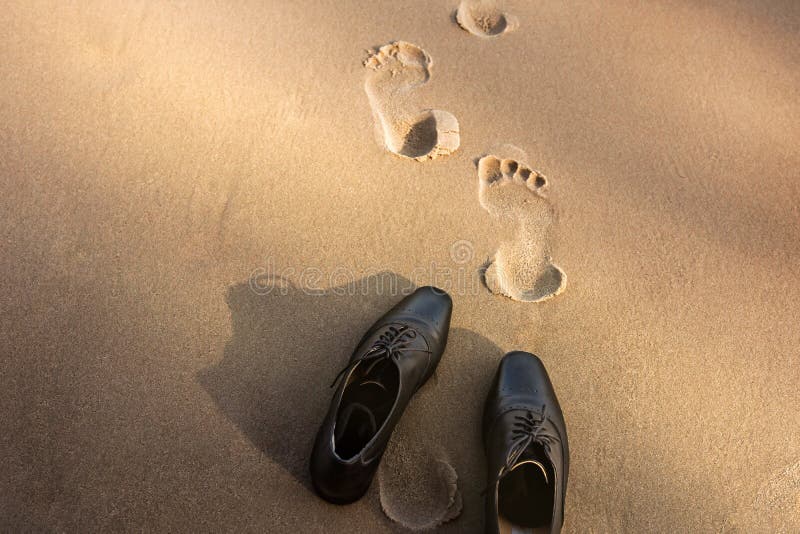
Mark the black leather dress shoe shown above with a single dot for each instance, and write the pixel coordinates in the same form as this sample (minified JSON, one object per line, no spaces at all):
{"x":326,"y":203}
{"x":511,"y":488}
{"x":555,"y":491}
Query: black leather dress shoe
{"x":526,"y":448}
{"x":392,"y":361}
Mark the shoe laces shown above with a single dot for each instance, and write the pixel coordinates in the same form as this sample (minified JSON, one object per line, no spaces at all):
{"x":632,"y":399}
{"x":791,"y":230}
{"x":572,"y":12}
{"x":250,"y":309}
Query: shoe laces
{"x":526,"y":429}
{"x":390,"y":345}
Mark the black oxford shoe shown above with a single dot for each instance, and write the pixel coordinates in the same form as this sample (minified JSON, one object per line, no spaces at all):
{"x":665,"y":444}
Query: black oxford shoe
{"x":526,"y":448}
{"x":393,"y":360}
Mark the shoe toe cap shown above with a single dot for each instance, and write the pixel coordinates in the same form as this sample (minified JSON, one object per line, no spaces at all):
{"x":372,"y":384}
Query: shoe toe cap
{"x":523,"y":374}
{"x":430,"y":304}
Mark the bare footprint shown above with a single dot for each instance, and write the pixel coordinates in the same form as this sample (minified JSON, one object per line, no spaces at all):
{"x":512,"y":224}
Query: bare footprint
{"x":484,"y":18}
{"x":418,"y":485}
{"x":418,"y":490}
{"x":521,"y":268}
{"x":395,"y":70}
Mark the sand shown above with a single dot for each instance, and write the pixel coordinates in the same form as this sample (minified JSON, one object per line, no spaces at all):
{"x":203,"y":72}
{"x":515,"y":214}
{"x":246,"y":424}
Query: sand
{"x":200,"y":217}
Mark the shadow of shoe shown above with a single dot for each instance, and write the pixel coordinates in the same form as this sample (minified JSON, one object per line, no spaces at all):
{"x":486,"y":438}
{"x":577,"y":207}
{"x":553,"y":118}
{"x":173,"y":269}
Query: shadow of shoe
{"x":288,"y":343}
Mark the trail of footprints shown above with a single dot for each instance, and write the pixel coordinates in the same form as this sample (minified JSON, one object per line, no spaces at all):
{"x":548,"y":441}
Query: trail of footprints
{"x":508,"y":188}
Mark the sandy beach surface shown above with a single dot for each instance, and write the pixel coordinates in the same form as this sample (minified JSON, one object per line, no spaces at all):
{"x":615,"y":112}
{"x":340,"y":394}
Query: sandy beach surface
{"x":205,"y":204}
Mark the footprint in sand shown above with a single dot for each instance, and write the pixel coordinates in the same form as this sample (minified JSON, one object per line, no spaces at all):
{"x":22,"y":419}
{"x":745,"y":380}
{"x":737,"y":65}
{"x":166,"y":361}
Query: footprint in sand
{"x":521,"y":268}
{"x":395,"y":70}
{"x":484,"y":18}
{"x":417,"y":490}
{"x":417,"y":483}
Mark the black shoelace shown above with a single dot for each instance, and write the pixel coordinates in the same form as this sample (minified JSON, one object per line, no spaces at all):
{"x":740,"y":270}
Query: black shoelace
{"x":527,"y":429}
{"x":391,"y":344}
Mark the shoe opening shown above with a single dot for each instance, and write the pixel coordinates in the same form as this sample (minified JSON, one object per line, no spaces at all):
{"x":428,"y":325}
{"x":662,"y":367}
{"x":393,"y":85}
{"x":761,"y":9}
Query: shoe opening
{"x":366,"y":402}
{"x":525,"y":496}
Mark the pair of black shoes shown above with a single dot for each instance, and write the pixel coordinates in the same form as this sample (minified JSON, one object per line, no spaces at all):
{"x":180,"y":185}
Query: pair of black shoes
{"x":523,"y":429}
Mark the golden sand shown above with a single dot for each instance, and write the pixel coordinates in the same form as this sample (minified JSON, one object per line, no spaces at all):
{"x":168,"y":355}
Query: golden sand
{"x":194,"y":195}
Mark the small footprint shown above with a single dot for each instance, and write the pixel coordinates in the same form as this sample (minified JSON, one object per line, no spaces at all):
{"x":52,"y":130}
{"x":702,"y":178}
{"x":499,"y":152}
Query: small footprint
{"x":395,"y":70}
{"x":521,"y":268}
{"x":484,"y":18}
{"x":418,"y":491}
